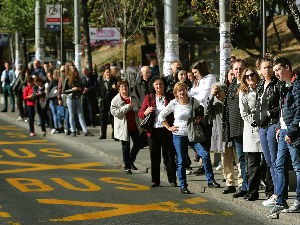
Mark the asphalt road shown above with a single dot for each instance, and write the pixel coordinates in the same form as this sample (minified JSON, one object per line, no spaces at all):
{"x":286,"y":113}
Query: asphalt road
{"x":43,"y":182}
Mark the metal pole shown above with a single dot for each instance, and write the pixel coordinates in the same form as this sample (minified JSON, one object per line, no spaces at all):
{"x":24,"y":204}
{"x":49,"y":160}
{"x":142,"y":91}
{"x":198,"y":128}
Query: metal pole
{"x":61,"y":35}
{"x":39,"y":31}
{"x":225,"y":41}
{"x":77,"y":36}
{"x":264,"y":28}
{"x":171,"y":34}
{"x":17,"y":43}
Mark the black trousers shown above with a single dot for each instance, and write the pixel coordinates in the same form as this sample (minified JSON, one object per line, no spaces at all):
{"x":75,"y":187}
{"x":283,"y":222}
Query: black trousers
{"x":160,"y":142}
{"x":253,"y":160}
{"x":31,"y":113}
{"x":89,"y":109}
{"x":106,"y":118}
{"x":266,"y":175}
{"x":20,"y":104}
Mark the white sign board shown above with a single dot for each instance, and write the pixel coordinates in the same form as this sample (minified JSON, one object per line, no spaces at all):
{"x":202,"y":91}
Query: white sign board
{"x":105,"y":36}
{"x":53,"y":14}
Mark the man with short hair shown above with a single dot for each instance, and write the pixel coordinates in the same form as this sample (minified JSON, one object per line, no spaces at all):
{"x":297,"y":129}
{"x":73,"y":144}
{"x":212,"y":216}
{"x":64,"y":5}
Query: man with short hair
{"x":142,"y":86}
{"x":7,"y":78}
{"x":154,"y":66}
{"x":171,"y":78}
{"x":287,"y":135}
{"x":38,"y":70}
{"x":89,"y":99}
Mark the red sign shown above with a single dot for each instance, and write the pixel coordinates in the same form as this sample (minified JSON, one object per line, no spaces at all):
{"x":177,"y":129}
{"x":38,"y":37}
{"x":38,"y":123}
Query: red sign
{"x":53,"y":20}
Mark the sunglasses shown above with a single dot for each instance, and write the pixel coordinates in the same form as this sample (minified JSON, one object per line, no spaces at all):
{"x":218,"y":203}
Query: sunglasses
{"x":250,"y":75}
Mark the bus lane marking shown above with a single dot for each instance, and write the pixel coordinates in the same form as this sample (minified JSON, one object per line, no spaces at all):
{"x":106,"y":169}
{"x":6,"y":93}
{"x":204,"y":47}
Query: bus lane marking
{"x":40,"y":167}
{"x":31,"y":142}
{"x":16,"y":135}
{"x":125,"y":209}
{"x":9,"y":128}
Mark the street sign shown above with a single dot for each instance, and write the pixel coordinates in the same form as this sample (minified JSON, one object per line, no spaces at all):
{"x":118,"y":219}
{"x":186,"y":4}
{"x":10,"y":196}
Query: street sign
{"x":53,"y":14}
{"x":105,"y":36}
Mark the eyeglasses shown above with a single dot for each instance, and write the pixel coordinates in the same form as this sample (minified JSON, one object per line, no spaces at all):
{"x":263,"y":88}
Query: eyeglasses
{"x":250,"y":75}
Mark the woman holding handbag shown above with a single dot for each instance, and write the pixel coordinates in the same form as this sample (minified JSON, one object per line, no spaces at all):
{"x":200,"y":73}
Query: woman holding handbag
{"x":183,"y":108}
{"x":159,"y":138}
{"x":125,"y":120}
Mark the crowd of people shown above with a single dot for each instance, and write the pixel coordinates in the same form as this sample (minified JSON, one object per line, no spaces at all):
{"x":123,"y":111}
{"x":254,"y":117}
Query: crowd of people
{"x":253,"y":119}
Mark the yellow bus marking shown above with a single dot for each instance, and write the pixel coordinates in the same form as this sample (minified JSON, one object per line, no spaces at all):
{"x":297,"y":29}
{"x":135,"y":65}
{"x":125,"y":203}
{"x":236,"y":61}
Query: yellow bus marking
{"x":124,"y":209}
{"x":28,"y":154}
{"x":13,"y":223}
{"x":4,"y":214}
{"x":90,"y":186}
{"x":55,"y":152}
{"x":194,"y":201}
{"x":40,"y":167}
{"x":136,"y":187}
{"x":32,"y":142}
{"x":16,"y":135}
{"x":34,"y":184}
{"x":9,"y":128}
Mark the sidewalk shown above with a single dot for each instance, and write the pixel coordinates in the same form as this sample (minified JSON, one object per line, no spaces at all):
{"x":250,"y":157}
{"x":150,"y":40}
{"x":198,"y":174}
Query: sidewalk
{"x":112,"y":150}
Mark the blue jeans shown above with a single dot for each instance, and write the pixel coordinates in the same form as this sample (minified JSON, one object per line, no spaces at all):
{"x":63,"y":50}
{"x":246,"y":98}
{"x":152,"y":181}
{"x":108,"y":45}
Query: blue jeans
{"x":67,"y":118}
{"x":52,"y":105}
{"x":238,"y":142}
{"x":74,"y":107}
{"x":8,"y":91}
{"x":130,"y":156}
{"x":269,"y":146}
{"x":181,"y":144}
{"x":284,"y":150}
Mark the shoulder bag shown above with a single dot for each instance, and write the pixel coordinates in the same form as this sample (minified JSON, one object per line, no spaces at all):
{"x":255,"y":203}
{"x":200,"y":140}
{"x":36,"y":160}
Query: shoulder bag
{"x":195,"y":131}
{"x":146,"y":123}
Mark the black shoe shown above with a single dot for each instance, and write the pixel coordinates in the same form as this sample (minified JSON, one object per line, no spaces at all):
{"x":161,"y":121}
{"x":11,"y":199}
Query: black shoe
{"x":88,"y":134}
{"x":4,"y":110}
{"x":155,"y":185}
{"x":128,"y":171}
{"x":214,"y":184}
{"x":133,"y":167}
{"x":239,"y":193}
{"x":229,"y":189}
{"x":78,"y":132}
{"x":68,"y":132}
{"x":199,"y":171}
{"x":102,"y":137}
{"x":174,"y":184}
{"x":13,"y":110}
{"x":251,"y":197}
{"x":74,"y":134}
{"x":224,"y":180}
{"x":184,"y":190}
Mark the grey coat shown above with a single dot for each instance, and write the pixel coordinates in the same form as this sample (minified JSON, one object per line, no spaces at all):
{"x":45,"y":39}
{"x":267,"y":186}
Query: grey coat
{"x":251,"y":140}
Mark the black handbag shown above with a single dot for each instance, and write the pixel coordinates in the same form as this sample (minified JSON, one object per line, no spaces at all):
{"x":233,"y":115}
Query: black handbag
{"x":146,"y":123}
{"x":53,"y":93}
{"x":195,"y":131}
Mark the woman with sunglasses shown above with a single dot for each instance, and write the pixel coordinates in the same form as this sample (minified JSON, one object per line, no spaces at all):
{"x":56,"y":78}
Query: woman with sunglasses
{"x":251,"y":141}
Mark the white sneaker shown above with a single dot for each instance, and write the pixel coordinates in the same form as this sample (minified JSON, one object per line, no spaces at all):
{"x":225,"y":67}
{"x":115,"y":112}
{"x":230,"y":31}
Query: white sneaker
{"x":219,"y":167}
{"x":294,"y":208}
{"x":19,"y":118}
{"x":53,"y":131}
{"x":189,"y":171}
{"x":271,"y":202}
{"x":26,"y":120}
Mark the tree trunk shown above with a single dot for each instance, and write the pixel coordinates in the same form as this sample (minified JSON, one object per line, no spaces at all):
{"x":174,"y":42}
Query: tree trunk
{"x":124,"y":53}
{"x":86,"y":33}
{"x":277,"y":35}
{"x":23,"y":50}
{"x":57,"y":36}
{"x":11,"y":48}
{"x":159,"y":34}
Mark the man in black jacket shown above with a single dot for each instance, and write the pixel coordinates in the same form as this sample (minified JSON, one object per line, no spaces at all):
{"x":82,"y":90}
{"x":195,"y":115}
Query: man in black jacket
{"x":287,"y":135}
{"x":89,"y":99}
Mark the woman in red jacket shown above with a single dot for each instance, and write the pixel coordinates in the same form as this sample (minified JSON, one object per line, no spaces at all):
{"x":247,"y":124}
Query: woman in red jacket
{"x":29,"y":97}
{"x":159,"y":138}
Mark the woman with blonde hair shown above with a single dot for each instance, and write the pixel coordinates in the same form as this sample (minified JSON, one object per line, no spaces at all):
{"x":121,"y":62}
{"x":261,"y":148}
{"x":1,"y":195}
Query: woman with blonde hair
{"x":182,"y":107}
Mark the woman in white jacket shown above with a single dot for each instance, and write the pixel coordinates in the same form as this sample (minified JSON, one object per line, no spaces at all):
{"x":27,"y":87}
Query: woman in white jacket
{"x":125,"y":122}
{"x":205,"y":80}
{"x":251,"y":140}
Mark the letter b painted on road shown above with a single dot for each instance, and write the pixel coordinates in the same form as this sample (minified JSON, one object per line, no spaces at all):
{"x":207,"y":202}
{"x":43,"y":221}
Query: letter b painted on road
{"x":29,"y":185}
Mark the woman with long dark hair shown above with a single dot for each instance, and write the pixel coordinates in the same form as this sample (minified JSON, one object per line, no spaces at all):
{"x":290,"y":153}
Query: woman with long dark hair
{"x":73,"y":90}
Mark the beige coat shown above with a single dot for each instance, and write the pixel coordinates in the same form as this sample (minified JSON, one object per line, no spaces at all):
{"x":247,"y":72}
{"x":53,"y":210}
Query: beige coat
{"x":119,"y":109}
